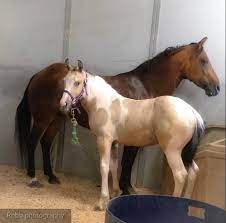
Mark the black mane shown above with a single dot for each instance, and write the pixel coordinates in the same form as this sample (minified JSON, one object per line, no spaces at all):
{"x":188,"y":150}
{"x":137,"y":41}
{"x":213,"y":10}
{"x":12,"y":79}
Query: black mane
{"x":146,"y":66}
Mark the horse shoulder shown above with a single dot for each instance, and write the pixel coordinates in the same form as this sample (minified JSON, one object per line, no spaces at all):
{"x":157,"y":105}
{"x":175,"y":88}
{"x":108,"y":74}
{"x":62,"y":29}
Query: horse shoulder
{"x":100,"y":118}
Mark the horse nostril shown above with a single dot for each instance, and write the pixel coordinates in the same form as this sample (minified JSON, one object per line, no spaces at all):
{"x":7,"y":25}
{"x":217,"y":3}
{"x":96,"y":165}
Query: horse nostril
{"x":63,"y":104}
{"x":218,"y":87}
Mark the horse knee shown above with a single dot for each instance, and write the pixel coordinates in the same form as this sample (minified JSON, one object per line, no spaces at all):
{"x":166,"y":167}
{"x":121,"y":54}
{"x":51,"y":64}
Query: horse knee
{"x":104,"y":167}
{"x":114,"y":151}
{"x":115,"y":145}
{"x":181,"y":176}
{"x":43,"y":141}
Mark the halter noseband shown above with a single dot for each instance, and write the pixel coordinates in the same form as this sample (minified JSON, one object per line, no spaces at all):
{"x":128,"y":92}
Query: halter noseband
{"x":75,"y":100}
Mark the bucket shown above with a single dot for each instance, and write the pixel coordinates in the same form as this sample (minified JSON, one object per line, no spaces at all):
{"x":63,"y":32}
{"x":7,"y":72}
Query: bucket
{"x":161,"y":209}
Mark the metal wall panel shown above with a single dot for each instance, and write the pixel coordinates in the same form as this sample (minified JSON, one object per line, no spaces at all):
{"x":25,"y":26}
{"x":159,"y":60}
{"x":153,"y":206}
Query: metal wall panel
{"x":31,"y":38}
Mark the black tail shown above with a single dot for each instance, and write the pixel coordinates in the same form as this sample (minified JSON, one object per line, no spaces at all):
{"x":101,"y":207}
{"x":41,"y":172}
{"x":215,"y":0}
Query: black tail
{"x":23,"y":124}
{"x":190,"y":149}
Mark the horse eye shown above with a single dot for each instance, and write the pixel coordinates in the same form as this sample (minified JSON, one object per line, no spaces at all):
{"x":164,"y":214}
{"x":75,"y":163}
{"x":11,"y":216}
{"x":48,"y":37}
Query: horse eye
{"x":76,"y":83}
{"x":204,"y":62}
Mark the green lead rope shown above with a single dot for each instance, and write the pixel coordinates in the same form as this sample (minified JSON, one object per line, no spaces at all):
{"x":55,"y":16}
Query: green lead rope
{"x":74,"y":136}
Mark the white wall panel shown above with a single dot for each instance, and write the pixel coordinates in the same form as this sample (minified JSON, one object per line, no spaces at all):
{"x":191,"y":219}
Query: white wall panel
{"x":31,"y":38}
{"x":110,"y":36}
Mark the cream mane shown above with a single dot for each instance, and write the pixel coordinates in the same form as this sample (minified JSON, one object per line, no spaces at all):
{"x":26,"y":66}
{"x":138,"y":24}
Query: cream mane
{"x":98,"y":87}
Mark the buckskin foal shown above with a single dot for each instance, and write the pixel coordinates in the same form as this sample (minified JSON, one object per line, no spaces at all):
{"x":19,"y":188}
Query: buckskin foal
{"x":165,"y":120}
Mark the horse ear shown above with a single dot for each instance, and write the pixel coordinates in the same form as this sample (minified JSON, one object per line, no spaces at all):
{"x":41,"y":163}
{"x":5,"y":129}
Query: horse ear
{"x":67,"y":64}
{"x":201,"y":43}
{"x":66,"y":61}
{"x":80,"y":65}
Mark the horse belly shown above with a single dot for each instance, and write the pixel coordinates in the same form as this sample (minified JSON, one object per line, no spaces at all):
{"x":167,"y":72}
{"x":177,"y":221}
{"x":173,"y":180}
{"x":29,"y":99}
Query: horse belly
{"x":137,"y":137}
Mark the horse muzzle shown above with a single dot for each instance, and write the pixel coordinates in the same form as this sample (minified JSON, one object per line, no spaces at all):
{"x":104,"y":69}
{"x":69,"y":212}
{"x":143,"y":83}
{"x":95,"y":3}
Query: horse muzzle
{"x":211,"y":90}
{"x":64,"y":109}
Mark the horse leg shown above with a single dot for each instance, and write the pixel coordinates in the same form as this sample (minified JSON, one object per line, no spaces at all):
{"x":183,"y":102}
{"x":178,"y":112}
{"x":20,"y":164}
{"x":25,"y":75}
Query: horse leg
{"x":36,"y":132}
{"x":192,"y":176}
{"x":128,"y":158}
{"x":179,"y":171}
{"x":114,"y":170}
{"x":46,"y":143}
{"x":104,"y":146}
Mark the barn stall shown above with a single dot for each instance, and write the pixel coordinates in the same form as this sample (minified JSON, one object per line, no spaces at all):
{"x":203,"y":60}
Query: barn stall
{"x":109,"y":37}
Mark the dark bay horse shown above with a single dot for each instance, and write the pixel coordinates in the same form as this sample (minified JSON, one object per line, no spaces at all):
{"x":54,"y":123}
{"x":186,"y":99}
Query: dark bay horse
{"x":38,"y":116}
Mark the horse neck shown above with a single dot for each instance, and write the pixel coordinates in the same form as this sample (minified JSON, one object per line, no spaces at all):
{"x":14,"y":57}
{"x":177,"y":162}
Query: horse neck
{"x":99,"y":93}
{"x":162,"y":78}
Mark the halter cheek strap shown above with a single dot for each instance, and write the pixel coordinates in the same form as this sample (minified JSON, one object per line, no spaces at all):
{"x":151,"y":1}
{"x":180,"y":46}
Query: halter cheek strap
{"x":69,"y":93}
{"x":76,"y":99}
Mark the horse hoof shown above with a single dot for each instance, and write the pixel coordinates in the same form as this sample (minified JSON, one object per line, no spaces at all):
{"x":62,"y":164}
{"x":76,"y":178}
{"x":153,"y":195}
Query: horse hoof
{"x":131,"y":190}
{"x":102,"y":204}
{"x":128,"y":191}
{"x":125,"y":192}
{"x":116,"y":193}
{"x":54,"y":180}
{"x":34,"y":183}
{"x":99,"y":207}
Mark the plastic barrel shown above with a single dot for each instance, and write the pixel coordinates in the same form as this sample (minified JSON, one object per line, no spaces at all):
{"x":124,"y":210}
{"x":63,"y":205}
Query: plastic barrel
{"x":161,"y":209}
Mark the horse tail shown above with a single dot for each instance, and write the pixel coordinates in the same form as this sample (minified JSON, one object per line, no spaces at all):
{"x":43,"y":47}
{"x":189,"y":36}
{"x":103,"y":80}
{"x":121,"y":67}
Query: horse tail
{"x":190,"y":149}
{"x":23,"y":124}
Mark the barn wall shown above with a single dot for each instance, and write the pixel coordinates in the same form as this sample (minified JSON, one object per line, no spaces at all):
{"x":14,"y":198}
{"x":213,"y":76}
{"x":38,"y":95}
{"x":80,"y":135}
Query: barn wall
{"x":31,"y":38}
{"x":110,"y":37}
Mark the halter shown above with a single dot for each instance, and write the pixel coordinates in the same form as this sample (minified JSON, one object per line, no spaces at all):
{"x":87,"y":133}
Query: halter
{"x":75,"y":100}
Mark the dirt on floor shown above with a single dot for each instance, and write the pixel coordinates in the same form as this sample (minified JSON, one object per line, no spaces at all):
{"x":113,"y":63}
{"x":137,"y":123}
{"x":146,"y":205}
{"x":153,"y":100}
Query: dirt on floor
{"x":77,"y":194}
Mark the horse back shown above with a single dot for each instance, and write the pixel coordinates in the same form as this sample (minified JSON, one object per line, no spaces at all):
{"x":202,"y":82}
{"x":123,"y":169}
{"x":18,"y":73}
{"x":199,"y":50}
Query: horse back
{"x":128,"y":85}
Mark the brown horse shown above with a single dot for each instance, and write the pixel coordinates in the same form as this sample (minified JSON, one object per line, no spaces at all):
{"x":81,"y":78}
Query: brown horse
{"x":158,"y":76}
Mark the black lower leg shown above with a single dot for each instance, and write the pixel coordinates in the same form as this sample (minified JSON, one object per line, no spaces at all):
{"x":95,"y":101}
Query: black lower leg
{"x":31,"y":163}
{"x":46,"y":146}
{"x":46,"y":158}
{"x":32,"y":143}
{"x":129,"y":155}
